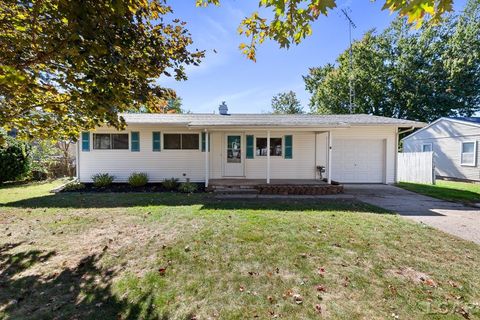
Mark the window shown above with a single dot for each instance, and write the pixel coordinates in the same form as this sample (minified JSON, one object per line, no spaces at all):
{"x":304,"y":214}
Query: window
{"x":427,"y":147}
{"x":275,"y":147}
{"x":469,"y":151}
{"x":118,"y":141}
{"x":234,"y":149}
{"x":181,"y":141}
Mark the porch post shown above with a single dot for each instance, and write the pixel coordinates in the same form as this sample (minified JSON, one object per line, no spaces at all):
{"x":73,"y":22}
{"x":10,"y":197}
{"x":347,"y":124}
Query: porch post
{"x":268,"y":156}
{"x":207,"y":158}
{"x":329,"y":162}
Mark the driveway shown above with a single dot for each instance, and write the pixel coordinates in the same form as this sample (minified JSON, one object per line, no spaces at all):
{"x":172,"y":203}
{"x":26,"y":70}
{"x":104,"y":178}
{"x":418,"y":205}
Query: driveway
{"x":454,"y":218}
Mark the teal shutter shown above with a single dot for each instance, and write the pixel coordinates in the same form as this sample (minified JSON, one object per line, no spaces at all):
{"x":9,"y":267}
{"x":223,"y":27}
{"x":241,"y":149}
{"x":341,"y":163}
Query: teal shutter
{"x":135,"y":141}
{"x":204,"y":135}
{"x":156,"y":141}
{"x":85,"y":141}
{"x":249,"y":152}
{"x":288,"y":147}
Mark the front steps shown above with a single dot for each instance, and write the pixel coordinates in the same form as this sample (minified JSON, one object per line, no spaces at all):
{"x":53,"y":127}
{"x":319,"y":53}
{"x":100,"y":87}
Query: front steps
{"x":234,"y":189}
{"x":249,"y":190}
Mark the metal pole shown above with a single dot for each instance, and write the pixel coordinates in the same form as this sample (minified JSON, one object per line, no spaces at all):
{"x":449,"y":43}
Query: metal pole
{"x":268,"y":156}
{"x":350,"y":77}
{"x":329,"y":163}
{"x":207,"y":164}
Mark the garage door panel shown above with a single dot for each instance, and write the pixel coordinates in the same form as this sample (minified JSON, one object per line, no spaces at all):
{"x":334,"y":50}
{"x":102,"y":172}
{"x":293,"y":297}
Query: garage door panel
{"x":358,"y":160}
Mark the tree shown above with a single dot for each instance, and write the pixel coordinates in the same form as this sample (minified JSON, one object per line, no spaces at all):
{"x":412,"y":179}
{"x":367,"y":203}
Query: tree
{"x":14,"y":158}
{"x":72,"y":64}
{"x":286,"y":103}
{"x":420,"y":75}
{"x":292,"y":19}
{"x":51,"y":159}
{"x":173,"y":105}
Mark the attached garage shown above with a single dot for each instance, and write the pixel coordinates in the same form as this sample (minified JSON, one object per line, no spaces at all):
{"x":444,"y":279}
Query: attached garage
{"x":358,"y":160}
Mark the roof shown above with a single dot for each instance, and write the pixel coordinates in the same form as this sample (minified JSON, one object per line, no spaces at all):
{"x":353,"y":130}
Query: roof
{"x":267,"y":120}
{"x":466,"y":120}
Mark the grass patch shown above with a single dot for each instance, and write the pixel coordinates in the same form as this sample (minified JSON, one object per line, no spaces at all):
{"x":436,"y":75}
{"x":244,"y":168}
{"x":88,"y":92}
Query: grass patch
{"x":172,"y":256}
{"x":468,"y":193}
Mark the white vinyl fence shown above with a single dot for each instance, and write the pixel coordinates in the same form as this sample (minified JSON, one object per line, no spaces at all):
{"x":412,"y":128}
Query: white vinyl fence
{"x":416,"y":167}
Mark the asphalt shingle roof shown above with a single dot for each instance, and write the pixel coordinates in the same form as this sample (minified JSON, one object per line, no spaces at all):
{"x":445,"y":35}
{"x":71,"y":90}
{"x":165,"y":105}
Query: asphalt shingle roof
{"x":265,"y":120}
{"x":468,"y":119}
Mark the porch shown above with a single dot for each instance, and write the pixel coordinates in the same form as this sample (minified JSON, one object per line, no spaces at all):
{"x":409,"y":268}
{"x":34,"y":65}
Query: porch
{"x":274,"y":186}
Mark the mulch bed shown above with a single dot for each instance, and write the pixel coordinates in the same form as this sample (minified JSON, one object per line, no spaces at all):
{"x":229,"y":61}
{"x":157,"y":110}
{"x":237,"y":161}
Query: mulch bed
{"x":125,"y":187}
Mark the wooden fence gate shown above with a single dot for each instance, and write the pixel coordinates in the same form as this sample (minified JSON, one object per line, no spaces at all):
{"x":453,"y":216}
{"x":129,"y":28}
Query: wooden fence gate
{"x":416,"y":167}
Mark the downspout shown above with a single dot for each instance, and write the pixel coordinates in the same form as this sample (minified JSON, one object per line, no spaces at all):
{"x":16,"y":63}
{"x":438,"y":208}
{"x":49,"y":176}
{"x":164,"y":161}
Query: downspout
{"x":396,"y":148}
{"x":77,"y":160}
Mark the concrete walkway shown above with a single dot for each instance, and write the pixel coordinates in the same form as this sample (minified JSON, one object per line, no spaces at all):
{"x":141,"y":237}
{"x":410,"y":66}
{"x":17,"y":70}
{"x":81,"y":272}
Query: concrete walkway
{"x":454,"y":218}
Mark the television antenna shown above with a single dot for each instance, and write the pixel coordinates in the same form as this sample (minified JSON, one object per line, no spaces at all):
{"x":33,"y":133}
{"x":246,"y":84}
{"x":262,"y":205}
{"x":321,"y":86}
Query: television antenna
{"x":351,"y":25}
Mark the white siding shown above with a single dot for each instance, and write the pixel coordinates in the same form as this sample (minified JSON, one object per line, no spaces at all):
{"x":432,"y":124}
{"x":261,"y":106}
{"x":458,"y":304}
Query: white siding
{"x":161,"y":165}
{"x":301,"y":166}
{"x":446,"y":138}
{"x":309,"y":150}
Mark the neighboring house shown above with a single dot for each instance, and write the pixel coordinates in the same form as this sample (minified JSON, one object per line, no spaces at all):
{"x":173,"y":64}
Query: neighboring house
{"x":454,"y":142}
{"x":200,"y":147}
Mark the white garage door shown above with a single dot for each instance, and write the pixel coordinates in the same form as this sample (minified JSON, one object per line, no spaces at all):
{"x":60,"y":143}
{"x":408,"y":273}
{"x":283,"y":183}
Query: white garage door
{"x":358,"y":161}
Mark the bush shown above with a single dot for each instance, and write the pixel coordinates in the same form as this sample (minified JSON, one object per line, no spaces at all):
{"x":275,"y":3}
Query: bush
{"x":138,"y":179}
{"x":187,"y":187}
{"x":170,"y":184}
{"x":38,"y":175}
{"x":74,"y":186}
{"x":15,"y":158}
{"x":102,"y":180}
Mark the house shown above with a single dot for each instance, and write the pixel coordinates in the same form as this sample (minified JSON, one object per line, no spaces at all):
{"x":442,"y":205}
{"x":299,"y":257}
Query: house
{"x":201,"y":147}
{"x":454,"y":144}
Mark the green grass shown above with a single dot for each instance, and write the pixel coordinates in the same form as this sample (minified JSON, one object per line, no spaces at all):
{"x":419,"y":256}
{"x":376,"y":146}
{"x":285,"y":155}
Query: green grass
{"x":468,"y":193}
{"x":171,"y":256}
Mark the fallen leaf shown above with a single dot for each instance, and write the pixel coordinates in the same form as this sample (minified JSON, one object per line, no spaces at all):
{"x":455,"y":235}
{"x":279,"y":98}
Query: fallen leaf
{"x":162,"y":271}
{"x":318,"y":308}
{"x":297,"y":298}
{"x":430,"y":282}
{"x":320,"y":288}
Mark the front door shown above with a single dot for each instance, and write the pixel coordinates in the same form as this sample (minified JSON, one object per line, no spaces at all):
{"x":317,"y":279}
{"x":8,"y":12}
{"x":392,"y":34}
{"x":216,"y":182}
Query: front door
{"x":234,"y":158}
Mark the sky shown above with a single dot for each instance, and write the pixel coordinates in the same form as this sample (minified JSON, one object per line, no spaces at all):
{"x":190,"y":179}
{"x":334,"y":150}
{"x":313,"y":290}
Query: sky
{"x":246,"y":86}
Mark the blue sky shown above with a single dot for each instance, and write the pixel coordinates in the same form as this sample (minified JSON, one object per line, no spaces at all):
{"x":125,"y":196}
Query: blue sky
{"x":246,"y":86}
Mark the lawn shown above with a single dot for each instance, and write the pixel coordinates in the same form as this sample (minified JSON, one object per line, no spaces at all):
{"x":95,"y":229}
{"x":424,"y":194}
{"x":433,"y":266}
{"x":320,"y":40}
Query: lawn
{"x":468,"y":193}
{"x":169,"y":256}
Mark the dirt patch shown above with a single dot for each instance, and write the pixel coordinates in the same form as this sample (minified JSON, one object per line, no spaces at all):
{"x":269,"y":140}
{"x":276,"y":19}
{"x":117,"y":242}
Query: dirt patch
{"x":120,"y":239}
{"x":412,"y":275}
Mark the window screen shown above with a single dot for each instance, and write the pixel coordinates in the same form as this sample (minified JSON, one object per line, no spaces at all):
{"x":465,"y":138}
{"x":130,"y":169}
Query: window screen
{"x":117,"y":141}
{"x":180,"y":141}
{"x":275,"y":146}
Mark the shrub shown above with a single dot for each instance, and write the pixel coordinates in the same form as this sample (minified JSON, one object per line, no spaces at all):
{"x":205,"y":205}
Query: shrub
{"x":102,"y":180}
{"x":138,"y":179}
{"x":38,"y":175}
{"x":74,"y":186}
{"x":170,"y":184}
{"x":187,"y":187}
{"x":15,"y":158}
